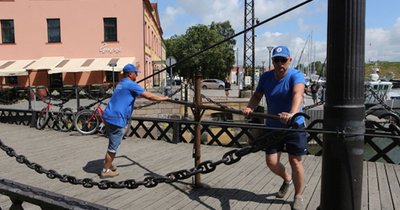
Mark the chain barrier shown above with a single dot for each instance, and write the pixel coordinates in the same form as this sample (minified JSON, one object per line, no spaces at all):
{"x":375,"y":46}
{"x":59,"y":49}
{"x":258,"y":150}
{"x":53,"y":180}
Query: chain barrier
{"x":157,"y":102}
{"x":212,"y":101}
{"x":204,"y":167}
{"x":313,"y":105}
{"x":381,"y":102}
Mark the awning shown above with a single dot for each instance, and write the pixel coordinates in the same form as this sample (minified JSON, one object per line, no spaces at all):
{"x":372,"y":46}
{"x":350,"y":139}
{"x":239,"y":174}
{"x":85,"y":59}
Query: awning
{"x":45,"y":63}
{"x":15,"y":68}
{"x":105,"y":64}
{"x":91,"y":64}
{"x":68,"y":65}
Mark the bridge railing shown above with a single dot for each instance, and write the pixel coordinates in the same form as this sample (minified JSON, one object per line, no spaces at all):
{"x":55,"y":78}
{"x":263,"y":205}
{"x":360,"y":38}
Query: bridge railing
{"x":380,"y":145}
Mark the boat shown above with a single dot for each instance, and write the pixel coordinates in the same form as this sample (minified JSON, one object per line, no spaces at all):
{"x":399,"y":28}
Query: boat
{"x":379,"y":97}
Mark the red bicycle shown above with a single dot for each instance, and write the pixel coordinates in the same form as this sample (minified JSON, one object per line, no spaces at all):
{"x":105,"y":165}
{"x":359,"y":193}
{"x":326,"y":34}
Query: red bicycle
{"x":88,"y":121}
{"x":62,"y":120}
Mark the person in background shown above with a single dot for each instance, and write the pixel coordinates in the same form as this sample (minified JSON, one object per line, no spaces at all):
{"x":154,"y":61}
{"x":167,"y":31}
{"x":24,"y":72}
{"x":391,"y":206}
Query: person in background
{"x":227,"y":87}
{"x":283,"y":88}
{"x":314,"y":91}
{"x":118,"y":112}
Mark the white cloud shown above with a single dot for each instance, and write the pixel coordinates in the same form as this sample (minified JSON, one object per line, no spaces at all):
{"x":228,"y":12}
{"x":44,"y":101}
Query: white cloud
{"x":383,"y":44}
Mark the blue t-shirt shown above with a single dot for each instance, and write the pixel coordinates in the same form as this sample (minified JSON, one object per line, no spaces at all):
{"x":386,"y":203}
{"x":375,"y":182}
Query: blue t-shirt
{"x":120,"y":107}
{"x":279,"y":93}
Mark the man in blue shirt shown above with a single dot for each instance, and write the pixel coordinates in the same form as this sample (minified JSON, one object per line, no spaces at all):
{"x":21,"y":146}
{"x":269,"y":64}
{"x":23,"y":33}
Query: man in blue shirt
{"x":283,"y":88}
{"x":118,"y":112}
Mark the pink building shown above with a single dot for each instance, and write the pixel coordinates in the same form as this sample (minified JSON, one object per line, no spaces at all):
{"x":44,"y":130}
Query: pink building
{"x":79,"y":42}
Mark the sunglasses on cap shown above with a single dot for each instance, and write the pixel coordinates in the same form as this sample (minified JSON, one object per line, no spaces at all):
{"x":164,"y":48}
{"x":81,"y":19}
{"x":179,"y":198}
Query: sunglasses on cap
{"x":280,"y":59}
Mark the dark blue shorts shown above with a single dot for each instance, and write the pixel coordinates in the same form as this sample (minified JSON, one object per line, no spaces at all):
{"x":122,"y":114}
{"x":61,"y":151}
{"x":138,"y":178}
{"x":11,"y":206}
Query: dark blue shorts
{"x":295,"y":143}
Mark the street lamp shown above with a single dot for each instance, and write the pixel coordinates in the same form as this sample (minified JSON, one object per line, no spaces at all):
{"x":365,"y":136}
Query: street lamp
{"x":269,"y":50}
{"x":113,"y":76}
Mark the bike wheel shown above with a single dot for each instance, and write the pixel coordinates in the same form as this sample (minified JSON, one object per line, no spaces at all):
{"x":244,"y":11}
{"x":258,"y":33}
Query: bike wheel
{"x":86,"y":122}
{"x":65,"y":119}
{"x":43,"y":118}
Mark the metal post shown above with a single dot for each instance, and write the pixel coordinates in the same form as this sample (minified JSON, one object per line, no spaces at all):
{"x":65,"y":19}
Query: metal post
{"x":197,"y":117}
{"x":342,"y":166}
{"x":269,"y":51}
{"x":237,"y":66}
{"x":78,"y":104}
{"x":185,"y":115}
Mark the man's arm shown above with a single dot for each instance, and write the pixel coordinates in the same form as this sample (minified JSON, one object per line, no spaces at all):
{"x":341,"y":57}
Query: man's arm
{"x":253,"y":103}
{"x":298,"y":92}
{"x":153,"y":97}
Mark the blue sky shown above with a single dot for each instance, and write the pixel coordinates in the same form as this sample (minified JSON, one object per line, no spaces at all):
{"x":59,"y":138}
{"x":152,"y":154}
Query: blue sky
{"x":293,"y":29}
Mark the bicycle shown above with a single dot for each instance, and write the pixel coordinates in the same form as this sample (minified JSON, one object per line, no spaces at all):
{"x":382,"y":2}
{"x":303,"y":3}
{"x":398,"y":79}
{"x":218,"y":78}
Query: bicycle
{"x":87,"y":121}
{"x":63,"y":120}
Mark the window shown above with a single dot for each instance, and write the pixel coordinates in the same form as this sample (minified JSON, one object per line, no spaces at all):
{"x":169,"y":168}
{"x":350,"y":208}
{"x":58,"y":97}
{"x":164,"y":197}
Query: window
{"x":12,"y":80}
{"x":7,"y":31}
{"x":56,"y":80}
{"x":53,"y":30}
{"x":110,"y":29}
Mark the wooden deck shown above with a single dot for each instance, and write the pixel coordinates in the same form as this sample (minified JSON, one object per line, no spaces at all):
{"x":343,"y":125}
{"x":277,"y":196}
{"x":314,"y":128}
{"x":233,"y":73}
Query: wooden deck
{"x":244,"y":185}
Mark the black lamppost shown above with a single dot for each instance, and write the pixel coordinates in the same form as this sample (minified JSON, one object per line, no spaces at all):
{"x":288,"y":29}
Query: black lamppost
{"x":113,"y":76}
{"x":269,"y":51}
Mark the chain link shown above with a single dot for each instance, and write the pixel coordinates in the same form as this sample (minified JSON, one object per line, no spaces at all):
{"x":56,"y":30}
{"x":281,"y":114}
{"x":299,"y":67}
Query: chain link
{"x":212,"y":101}
{"x":156,"y":102}
{"x":381,"y":102}
{"x":313,"y":105}
{"x":205,"y":167}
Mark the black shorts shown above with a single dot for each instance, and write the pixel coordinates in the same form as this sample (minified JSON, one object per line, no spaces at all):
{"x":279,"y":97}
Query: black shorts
{"x":294,"y":143}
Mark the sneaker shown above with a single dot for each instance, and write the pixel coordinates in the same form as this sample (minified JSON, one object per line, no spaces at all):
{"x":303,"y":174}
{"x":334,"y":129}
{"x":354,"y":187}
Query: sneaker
{"x":108,"y":174}
{"x":298,"y":203}
{"x":113,"y":167}
{"x":284,"y":189}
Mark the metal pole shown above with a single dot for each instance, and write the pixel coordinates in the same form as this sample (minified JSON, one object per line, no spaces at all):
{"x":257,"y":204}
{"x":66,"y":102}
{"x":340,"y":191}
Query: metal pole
{"x":197,"y":117}
{"x":185,"y":115}
{"x":342,"y":162}
{"x":237,"y":66}
{"x":269,"y":51}
{"x":113,"y":85}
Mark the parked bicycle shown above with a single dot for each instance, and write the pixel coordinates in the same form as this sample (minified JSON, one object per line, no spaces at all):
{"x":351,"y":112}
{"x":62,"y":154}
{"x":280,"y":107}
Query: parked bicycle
{"x":88,"y":121}
{"x":62,"y":120}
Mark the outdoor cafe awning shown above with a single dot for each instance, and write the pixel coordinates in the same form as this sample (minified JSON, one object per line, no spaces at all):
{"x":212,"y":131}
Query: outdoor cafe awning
{"x":56,"y":65}
{"x":91,"y":64}
{"x":15,"y":67}
{"x":45,"y":63}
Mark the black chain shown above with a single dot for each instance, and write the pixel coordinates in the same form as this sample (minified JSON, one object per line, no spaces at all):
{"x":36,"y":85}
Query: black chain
{"x":212,"y":101}
{"x":156,"y":102}
{"x":381,"y":102}
{"x":313,"y":105}
{"x":208,"y":166}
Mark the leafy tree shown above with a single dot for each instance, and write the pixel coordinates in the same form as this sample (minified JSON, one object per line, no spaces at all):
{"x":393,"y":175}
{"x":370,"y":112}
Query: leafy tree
{"x":213,"y":63}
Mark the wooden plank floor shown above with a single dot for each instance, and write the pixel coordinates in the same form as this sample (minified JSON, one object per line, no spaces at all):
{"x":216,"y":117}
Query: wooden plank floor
{"x":247,"y":184}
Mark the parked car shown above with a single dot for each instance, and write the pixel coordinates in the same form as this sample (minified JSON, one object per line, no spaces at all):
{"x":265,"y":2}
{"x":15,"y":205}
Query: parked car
{"x":212,"y":84}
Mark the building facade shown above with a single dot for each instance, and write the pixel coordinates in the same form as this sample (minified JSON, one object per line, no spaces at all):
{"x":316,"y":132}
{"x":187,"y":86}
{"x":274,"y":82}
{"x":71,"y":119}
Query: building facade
{"x":78,"y":42}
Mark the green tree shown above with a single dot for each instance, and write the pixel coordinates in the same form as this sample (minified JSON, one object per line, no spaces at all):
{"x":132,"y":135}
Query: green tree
{"x":213,"y":63}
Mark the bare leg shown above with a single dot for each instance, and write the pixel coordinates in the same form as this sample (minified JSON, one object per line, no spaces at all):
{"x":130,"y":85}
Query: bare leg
{"x":297,"y":173}
{"x":109,"y":158}
{"x":273,"y":163}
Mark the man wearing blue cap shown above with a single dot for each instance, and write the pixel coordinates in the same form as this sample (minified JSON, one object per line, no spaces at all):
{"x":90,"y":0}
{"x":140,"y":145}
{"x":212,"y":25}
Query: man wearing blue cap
{"x":283,"y":88}
{"x":118,"y":112}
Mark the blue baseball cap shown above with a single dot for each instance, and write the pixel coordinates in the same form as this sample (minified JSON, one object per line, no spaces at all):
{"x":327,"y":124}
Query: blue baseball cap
{"x":281,"y":51}
{"x":128,"y":68}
